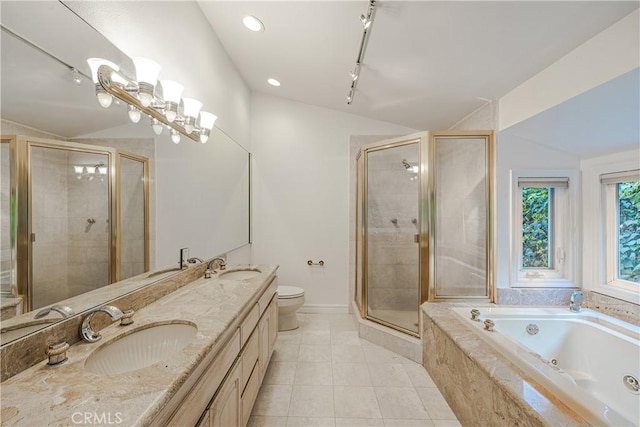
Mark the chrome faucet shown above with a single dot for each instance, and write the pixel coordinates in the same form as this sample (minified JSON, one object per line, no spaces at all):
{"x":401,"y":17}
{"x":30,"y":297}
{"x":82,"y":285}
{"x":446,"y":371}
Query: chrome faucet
{"x":194,"y":259}
{"x":576,"y":299}
{"x":62,"y":309}
{"x":211,"y":270}
{"x":87,"y":333}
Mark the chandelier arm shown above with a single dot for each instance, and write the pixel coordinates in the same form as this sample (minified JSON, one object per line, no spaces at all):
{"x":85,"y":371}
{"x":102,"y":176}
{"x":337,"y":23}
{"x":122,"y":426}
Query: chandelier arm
{"x":104,"y":78}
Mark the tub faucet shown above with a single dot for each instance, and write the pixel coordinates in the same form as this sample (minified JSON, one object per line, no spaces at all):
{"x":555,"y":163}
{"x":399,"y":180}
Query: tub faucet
{"x":87,"y":333}
{"x":62,"y":309}
{"x":576,"y":299}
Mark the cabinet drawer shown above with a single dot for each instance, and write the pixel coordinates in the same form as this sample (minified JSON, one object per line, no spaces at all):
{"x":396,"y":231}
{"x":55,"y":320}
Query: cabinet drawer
{"x":249,"y":357}
{"x":248,"y":324}
{"x":250,"y":394}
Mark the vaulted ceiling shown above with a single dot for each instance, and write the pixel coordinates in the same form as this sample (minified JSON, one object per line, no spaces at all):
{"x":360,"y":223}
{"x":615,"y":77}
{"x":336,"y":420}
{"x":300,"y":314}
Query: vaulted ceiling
{"x":427,"y":64}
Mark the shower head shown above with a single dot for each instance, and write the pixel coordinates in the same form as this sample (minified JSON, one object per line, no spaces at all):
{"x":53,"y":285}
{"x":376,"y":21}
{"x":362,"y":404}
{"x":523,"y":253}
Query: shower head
{"x":406,"y":164}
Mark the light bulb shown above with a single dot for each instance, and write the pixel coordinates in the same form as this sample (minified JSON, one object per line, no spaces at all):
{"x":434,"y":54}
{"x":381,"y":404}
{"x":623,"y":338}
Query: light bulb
{"x":102,"y":170}
{"x":175,"y":136}
{"x":190,"y":108}
{"x":104,"y":98}
{"x":134,"y":114}
{"x":171,"y":92}
{"x":156,"y":126}
{"x":147,"y":75}
{"x":170,"y":115}
{"x":204,"y":135}
{"x":145,"y":97}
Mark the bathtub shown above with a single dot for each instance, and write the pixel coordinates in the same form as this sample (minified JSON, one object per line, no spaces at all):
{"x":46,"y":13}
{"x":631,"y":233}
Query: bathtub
{"x":588,"y":360}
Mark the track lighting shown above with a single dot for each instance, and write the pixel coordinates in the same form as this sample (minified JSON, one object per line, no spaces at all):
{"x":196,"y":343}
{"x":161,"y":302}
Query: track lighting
{"x":367,"y":21}
{"x":76,"y":77}
{"x":180,"y":115}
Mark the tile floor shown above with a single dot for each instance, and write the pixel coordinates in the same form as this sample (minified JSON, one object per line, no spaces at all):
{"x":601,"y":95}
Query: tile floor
{"x":323,"y":374}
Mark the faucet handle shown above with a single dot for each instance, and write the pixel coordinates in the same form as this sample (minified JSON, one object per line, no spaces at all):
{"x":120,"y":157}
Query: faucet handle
{"x":489,"y":325}
{"x":127,"y":317}
{"x":475,"y":314}
{"x":57,"y":352}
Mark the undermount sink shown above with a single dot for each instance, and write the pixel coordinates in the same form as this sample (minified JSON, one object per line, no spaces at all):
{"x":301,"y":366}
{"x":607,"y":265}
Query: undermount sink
{"x":240,"y":274}
{"x":141,"y":348}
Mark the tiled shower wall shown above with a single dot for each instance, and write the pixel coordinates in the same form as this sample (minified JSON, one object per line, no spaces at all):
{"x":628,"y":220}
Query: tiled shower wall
{"x":132,"y":235}
{"x":392,"y":209}
{"x":49,"y":219}
{"x":89,"y":244}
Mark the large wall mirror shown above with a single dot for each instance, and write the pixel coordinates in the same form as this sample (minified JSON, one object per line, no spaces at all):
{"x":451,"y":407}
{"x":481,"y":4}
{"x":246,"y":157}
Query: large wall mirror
{"x":55,"y":111}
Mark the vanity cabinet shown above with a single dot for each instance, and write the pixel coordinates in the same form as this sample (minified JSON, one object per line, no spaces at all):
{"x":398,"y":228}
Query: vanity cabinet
{"x":225,"y":409}
{"x":228,"y":402}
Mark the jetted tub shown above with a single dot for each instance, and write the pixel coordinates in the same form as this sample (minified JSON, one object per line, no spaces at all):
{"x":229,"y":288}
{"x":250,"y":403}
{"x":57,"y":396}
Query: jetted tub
{"x":589,"y":360}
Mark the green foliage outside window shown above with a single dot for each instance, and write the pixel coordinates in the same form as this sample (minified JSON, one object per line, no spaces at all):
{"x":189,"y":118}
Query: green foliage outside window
{"x":535,"y":227}
{"x":629,"y":232}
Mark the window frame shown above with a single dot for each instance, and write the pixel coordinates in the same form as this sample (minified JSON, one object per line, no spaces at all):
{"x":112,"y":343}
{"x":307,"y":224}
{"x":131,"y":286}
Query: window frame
{"x":610,"y":219}
{"x":562,"y":230}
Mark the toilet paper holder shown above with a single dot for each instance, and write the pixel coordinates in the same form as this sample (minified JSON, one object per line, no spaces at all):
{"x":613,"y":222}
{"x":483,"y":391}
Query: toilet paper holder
{"x":320,"y":263}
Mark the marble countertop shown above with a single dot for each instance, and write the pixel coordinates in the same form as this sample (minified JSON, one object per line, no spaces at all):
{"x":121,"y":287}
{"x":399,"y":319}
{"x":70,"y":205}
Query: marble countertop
{"x":63,"y":394}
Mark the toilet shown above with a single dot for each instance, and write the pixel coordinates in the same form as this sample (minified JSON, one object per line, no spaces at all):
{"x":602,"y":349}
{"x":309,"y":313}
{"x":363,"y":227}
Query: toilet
{"x":290,"y":299}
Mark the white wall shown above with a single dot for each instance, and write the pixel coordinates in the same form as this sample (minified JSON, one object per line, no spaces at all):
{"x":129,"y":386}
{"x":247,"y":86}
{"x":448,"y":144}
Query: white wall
{"x":180,"y":39}
{"x":611,"y":53}
{"x":513,"y":152}
{"x":301,"y":191}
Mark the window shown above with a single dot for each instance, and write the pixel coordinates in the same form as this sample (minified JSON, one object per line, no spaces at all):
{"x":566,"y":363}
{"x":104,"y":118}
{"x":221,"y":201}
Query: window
{"x":542,"y":244}
{"x":622,"y":228}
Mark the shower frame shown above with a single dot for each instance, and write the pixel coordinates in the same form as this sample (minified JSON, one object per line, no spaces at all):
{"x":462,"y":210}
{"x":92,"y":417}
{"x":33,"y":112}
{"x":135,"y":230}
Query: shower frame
{"x":426,"y":219}
{"x":21,"y":232}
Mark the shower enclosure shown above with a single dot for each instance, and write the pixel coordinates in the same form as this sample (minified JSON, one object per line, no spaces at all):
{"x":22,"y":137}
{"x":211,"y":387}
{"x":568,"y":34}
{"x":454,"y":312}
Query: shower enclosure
{"x":74,"y":218}
{"x":423,"y":224}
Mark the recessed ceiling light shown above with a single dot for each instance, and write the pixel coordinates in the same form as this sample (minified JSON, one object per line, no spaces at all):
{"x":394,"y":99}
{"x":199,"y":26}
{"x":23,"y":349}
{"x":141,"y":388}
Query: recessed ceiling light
{"x":273,"y":82}
{"x":253,"y":23}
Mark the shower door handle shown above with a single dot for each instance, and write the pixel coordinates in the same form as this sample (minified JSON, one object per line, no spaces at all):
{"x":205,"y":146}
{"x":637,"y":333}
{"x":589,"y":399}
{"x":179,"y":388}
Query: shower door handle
{"x":33,"y":237}
{"x":416,"y":238}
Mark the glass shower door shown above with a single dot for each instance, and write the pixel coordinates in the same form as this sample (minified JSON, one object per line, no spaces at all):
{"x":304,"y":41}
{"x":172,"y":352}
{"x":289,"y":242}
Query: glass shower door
{"x":134,"y":213}
{"x":391,"y":233}
{"x":69,"y":224}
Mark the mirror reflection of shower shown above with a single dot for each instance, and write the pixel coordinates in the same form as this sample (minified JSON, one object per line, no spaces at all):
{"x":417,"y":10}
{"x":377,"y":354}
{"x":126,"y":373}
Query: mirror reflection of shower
{"x":411,"y":168}
{"x":89,"y":172}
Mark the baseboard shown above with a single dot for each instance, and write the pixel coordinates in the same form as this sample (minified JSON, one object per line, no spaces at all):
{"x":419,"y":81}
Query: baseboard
{"x":324,"y":309}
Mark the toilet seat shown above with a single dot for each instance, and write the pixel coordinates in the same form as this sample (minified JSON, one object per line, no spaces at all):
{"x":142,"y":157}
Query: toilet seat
{"x":287,"y":292}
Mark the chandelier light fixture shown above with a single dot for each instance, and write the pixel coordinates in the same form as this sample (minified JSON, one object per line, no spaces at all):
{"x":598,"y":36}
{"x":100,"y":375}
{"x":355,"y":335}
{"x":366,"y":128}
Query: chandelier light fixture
{"x":367,"y":22}
{"x":162,"y":103}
